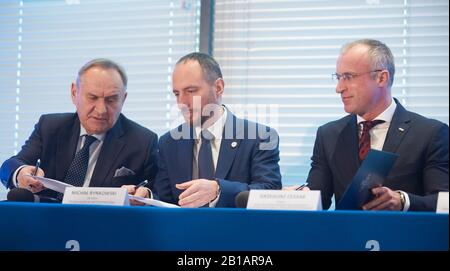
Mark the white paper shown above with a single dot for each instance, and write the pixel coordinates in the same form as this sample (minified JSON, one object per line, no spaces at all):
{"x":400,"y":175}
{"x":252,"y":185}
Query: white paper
{"x":442,"y":203}
{"x":96,"y":195}
{"x":153,"y":202}
{"x":52,"y":184}
{"x":284,"y":200}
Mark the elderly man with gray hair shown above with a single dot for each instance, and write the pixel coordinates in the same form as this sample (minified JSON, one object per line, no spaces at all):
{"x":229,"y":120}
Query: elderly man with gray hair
{"x":97,"y":146}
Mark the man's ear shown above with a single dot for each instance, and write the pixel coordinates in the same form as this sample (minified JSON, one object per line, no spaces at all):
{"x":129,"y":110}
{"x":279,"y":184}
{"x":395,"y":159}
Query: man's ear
{"x":219,"y":87}
{"x":383,"y":78}
{"x":73,"y":92}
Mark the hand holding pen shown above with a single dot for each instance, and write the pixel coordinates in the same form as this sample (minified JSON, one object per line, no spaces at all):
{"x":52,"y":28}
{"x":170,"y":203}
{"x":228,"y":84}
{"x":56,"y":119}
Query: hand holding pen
{"x":132,"y":189}
{"x":141,"y":184}
{"x":303,"y":186}
{"x":25,"y":178}
{"x":36,"y":168}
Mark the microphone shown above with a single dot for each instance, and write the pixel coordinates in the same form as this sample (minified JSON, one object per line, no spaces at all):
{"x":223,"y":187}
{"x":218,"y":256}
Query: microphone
{"x":25,"y":195}
{"x":242,"y":199}
{"x":21,"y":194}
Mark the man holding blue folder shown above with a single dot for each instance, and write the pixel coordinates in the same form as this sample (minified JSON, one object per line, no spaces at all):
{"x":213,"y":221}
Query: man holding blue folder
{"x":364,"y":75}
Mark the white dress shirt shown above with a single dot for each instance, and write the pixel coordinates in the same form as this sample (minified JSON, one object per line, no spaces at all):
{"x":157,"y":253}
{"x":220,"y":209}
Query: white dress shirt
{"x":216,"y":129}
{"x":94,"y":151}
{"x":378,"y":135}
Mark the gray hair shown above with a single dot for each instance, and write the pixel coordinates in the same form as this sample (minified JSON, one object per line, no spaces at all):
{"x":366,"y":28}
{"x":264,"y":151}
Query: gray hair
{"x":210,"y":67}
{"x":380,"y":55}
{"x":105,"y":64}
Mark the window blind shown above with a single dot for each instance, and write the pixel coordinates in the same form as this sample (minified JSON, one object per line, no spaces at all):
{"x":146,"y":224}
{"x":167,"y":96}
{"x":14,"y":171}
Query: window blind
{"x":281,"y":53}
{"x":44,"y":43}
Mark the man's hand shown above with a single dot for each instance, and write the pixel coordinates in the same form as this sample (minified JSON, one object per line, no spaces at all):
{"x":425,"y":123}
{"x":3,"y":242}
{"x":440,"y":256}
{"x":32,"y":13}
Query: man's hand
{"x":385,"y":199}
{"x":140,"y":192}
{"x":24,"y":180}
{"x":197,"y":192}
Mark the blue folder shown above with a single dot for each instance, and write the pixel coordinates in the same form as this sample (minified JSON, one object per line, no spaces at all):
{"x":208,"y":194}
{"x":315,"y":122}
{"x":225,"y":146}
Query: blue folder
{"x":372,"y":173}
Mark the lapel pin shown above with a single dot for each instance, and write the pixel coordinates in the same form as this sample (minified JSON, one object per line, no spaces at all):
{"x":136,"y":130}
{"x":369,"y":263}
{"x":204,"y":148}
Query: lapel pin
{"x":233,"y":144}
{"x":401,"y":129}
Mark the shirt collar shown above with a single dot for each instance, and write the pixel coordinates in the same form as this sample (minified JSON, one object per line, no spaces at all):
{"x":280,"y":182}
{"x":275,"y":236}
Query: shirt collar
{"x":386,"y":115}
{"x":83,"y":132}
{"x":216,"y":129}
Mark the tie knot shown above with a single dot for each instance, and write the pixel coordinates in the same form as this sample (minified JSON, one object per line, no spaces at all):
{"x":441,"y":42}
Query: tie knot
{"x":206,"y":135}
{"x":367,"y":125}
{"x":89,"y":140}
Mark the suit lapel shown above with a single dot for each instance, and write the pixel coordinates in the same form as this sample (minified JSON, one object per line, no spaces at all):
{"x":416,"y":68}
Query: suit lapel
{"x":346,"y":153}
{"x":66,"y":145}
{"x":226,"y":156}
{"x":397,"y":130}
{"x":185,"y":157}
{"x":112,"y":146}
{"x":228,"y":146}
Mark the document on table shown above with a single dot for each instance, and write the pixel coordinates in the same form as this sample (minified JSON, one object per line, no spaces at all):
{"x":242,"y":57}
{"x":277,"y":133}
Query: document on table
{"x":153,"y":202}
{"x":52,"y":184}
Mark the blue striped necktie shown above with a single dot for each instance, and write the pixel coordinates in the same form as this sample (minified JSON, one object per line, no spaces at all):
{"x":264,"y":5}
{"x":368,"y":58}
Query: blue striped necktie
{"x":205,"y":159}
{"x":77,"y":170}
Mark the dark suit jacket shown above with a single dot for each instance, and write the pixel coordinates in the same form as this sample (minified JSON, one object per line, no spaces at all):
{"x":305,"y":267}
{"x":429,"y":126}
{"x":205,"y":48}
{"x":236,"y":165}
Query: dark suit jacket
{"x":421,"y":169}
{"x":54,"y":141}
{"x":242,"y":167}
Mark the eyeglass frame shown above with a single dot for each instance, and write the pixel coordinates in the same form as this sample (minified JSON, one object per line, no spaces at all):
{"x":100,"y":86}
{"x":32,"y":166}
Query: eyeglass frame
{"x":347,"y":76}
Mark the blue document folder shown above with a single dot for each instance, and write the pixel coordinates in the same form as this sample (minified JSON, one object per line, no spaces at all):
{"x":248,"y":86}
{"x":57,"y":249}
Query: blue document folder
{"x":372,"y":173}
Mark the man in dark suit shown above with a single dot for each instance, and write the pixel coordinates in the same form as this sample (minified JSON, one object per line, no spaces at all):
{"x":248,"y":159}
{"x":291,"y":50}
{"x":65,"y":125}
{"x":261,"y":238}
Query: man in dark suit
{"x":365,"y":73}
{"x":214,"y":155}
{"x":119,"y":151}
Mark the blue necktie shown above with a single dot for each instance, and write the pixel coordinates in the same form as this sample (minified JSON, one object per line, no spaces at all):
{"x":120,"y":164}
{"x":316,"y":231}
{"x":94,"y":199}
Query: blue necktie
{"x":205,"y":159}
{"x":77,"y":170}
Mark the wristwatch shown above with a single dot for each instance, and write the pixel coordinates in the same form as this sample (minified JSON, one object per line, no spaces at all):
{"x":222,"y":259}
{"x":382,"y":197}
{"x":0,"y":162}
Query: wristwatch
{"x":402,"y":200}
{"x":218,"y":188}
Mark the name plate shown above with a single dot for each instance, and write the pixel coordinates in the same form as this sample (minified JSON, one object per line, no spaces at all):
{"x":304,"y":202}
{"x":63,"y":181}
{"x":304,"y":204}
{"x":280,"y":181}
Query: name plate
{"x":284,"y":200}
{"x":96,"y":195}
{"x":442,"y":203}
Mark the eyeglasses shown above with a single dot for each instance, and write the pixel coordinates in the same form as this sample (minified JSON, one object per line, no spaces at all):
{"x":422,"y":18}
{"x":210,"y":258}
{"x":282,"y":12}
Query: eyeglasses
{"x":347,"y":76}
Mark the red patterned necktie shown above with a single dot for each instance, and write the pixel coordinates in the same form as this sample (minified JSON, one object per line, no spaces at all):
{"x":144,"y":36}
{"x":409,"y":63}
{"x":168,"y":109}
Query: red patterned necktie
{"x":364,"y":140}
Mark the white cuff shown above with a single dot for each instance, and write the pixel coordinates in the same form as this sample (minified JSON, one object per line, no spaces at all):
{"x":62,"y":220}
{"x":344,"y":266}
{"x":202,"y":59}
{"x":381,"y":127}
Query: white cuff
{"x":407,"y":203}
{"x":213,"y":203}
{"x":150,"y":194}
{"x":14,"y":177}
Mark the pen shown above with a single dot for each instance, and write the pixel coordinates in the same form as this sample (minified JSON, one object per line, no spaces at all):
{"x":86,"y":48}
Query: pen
{"x":301,"y":186}
{"x":38,"y":164}
{"x":141,"y":184}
